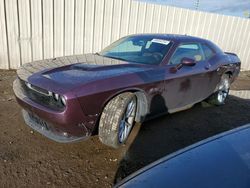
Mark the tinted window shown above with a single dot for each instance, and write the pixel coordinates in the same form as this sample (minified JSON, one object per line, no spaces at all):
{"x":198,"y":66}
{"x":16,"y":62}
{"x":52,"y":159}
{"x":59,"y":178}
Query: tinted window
{"x":191,"y":50}
{"x":207,"y":51}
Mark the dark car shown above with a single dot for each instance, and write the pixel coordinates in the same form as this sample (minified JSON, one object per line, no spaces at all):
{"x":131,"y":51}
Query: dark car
{"x":136,"y":78}
{"x":221,"y":161}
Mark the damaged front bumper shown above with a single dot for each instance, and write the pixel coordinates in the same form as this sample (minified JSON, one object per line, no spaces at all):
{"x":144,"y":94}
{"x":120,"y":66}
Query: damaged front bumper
{"x":48,"y":130}
{"x":68,"y":125}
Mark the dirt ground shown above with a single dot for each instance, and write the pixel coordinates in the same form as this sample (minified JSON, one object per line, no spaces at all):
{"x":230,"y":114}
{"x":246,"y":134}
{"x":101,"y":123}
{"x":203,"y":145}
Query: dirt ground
{"x":28,"y":159}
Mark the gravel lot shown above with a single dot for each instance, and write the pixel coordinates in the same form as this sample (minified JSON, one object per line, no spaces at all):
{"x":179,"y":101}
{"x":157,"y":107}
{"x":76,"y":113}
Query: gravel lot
{"x":28,"y":159}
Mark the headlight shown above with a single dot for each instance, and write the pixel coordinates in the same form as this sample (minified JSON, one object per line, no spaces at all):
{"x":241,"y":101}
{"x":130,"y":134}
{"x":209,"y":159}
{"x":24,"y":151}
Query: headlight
{"x":63,"y":100}
{"x":58,"y":98}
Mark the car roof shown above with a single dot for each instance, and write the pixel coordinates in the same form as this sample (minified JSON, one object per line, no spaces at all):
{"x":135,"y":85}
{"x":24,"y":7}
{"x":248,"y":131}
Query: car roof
{"x":173,"y":37}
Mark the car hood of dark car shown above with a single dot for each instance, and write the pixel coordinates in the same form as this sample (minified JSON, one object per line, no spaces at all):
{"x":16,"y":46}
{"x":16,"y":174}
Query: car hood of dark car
{"x":220,"y":161}
{"x":65,"y":73}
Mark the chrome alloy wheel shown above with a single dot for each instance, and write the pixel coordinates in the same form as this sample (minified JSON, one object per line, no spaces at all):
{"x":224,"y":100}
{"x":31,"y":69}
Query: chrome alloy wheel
{"x":127,"y":121}
{"x":223,"y":90}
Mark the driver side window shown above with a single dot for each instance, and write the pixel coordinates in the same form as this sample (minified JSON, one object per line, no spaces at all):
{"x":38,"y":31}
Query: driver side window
{"x":190,"y":50}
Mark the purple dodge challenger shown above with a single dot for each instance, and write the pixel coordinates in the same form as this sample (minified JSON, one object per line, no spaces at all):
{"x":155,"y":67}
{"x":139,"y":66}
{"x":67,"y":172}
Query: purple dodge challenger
{"x":134,"y":79}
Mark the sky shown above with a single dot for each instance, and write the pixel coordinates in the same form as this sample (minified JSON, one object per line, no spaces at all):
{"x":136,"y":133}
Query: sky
{"x":227,"y":7}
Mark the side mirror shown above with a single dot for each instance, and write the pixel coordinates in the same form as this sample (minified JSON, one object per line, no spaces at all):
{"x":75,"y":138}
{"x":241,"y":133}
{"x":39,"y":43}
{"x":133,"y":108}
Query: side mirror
{"x":185,"y":61}
{"x":188,"y":61}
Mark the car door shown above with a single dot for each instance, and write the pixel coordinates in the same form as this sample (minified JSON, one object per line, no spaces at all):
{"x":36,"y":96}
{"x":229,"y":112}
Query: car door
{"x":212,"y":69}
{"x":185,"y":85}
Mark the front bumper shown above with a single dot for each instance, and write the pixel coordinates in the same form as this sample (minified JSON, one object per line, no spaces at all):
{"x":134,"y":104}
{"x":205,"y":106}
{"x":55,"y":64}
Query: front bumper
{"x":47,"y":129}
{"x":68,"y":125}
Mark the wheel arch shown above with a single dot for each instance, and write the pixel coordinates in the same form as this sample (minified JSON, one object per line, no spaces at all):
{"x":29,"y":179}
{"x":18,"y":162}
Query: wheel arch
{"x":229,"y":73}
{"x":142,"y":102}
{"x":142,"y":106}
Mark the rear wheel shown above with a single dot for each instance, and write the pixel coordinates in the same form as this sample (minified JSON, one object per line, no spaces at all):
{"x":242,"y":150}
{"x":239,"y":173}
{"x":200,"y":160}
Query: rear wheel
{"x":117,"y":120}
{"x":219,"y":97}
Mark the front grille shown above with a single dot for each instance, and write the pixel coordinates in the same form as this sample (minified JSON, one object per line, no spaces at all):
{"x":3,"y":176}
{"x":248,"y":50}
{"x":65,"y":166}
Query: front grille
{"x":38,"y":89}
{"x":41,"y":96}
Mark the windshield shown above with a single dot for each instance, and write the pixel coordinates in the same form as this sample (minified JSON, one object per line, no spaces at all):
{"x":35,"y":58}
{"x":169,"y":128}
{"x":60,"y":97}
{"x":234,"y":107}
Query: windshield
{"x":138,"y":49}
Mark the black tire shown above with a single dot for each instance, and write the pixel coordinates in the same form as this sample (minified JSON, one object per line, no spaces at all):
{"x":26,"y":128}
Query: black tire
{"x":113,"y":118}
{"x":219,"y":97}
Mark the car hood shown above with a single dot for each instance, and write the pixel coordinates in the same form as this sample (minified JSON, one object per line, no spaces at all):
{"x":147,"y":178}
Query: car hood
{"x":68,"y":72}
{"x":85,"y":73}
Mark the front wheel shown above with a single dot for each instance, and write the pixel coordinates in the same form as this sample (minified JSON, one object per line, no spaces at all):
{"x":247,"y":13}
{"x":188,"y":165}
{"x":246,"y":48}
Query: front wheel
{"x":219,"y":97}
{"x":117,"y":120}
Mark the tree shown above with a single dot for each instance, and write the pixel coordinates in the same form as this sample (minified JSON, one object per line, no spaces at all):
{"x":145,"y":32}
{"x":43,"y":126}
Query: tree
{"x":196,"y":4}
{"x":246,"y":13}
